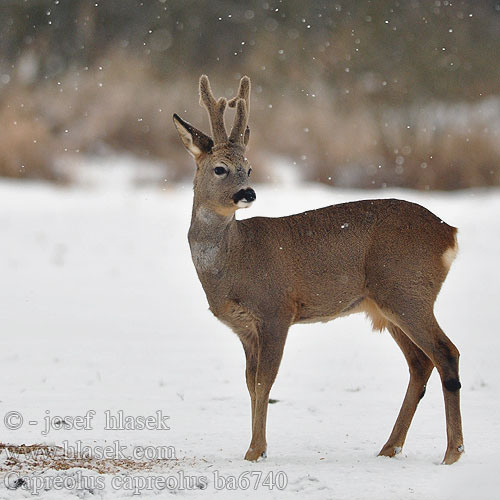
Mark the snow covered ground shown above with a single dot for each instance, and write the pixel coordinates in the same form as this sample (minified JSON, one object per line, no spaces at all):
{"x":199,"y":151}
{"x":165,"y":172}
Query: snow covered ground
{"x":100,"y":309}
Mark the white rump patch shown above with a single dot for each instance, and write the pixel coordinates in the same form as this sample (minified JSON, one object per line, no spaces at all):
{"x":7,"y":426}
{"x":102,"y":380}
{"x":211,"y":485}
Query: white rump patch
{"x":449,"y":255}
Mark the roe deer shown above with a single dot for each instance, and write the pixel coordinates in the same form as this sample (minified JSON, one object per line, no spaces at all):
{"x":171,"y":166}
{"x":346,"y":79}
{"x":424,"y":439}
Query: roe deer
{"x":387,"y":258}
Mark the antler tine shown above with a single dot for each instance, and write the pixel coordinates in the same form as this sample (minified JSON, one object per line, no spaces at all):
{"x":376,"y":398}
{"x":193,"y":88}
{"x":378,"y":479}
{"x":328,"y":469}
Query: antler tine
{"x":242,"y":104}
{"x":240,"y":123}
{"x":215,"y":110}
{"x":243,"y":93}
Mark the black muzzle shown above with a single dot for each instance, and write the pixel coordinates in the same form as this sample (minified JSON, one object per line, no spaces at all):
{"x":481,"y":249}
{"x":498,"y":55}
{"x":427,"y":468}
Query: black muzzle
{"x":247,"y":195}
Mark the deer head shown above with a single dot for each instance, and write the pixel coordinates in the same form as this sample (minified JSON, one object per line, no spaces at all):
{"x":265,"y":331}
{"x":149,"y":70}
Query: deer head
{"x":221,"y":180}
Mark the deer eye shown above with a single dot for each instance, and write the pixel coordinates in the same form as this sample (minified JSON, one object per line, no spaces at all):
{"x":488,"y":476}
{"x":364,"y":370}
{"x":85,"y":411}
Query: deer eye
{"x":249,"y":171}
{"x":220,"y":170}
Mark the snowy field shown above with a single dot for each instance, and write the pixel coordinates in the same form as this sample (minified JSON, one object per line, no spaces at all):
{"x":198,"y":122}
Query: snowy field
{"x":101,"y":309}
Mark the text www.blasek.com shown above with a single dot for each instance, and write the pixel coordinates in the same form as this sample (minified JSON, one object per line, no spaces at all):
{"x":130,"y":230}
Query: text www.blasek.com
{"x":78,"y":450}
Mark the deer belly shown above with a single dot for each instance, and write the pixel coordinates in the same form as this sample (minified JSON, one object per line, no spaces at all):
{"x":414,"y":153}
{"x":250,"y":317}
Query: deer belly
{"x":326,"y":312}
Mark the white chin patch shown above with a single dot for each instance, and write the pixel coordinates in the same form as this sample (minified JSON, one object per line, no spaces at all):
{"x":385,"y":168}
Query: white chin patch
{"x":244,"y":204}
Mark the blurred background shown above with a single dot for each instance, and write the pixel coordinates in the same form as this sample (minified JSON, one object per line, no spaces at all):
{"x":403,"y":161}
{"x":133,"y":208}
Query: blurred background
{"x":363,"y":94}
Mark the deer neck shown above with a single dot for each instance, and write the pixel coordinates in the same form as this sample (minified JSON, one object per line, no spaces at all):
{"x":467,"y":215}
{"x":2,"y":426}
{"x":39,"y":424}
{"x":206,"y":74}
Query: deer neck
{"x":209,"y":236}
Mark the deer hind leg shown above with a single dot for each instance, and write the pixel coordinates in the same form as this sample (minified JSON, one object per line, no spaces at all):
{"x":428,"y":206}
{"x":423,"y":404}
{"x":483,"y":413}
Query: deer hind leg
{"x":421,"y":327}
{"x":420,"y":367}
{"x":445,"y":357}
{"x":272,"y":337}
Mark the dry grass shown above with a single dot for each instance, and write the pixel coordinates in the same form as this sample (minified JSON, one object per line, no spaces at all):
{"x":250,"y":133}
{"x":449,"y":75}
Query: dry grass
{"x":121,"y":103}
{"x":26,"y":142}
{"x":433,"y":146}
{"x":38,"y":458}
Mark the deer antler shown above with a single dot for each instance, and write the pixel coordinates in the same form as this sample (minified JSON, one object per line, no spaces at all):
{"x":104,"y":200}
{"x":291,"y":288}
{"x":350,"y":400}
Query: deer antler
{"x":215,"y":110}
{"x":242,"y":104}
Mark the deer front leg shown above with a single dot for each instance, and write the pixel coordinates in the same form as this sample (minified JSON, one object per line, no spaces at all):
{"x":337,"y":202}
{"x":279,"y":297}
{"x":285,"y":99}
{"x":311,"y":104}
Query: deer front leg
{"x":272,"y":339}
{"x":250,"y":345}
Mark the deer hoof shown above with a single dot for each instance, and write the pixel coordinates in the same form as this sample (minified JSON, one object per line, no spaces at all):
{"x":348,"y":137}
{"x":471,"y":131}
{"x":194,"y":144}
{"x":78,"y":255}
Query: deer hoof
{"x":255,"y":454}
{"x":452,"y":455}
{"x":390,"y":451}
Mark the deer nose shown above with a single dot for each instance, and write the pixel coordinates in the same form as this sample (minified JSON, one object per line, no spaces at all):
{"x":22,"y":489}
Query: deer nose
{"x":247,"y":195}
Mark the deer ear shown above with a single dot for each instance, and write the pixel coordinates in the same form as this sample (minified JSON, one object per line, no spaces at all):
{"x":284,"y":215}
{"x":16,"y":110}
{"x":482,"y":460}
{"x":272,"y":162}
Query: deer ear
{"x":195,"y":141}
